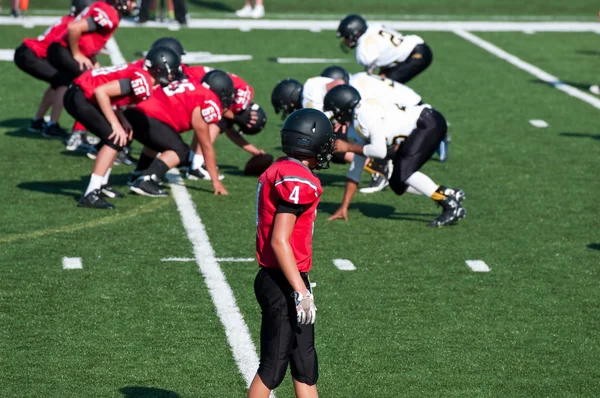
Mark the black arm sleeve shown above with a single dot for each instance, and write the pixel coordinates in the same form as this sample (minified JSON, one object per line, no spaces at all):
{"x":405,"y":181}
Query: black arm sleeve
{"x":125,"y":85}
{"x":92,"y":27}
{"x":291,"y":208}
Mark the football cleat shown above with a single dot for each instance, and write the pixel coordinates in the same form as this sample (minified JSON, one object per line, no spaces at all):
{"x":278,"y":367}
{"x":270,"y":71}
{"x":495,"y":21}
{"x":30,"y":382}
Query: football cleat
{"x":77,"y":142}
{"x":124,"y":157}
{"x":378,"y":183}
{"x":245,"y":12}
{"x":92,"y":153}
{"x":108,"y":191}
{"x":36,"y":125}
{"x":94,"y":200}
{"x":200,"y":174}
{"x":258,"y":12}
{"x":54,"y":131}
{"x":148,"y":185}
{"x":92,"y":139}
{"x":133,"y":176}
{"x":452,"y":209}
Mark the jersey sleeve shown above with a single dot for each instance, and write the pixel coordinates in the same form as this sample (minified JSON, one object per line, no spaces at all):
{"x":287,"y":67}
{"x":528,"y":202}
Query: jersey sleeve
{"x":102,"y":19}
{"x":370,"y":124}
{"x":140,"y":87}
{"x":243,"y":95}
{"x":296,"y":189}
{"x":367,"y":51}
{"x":211,"y":111}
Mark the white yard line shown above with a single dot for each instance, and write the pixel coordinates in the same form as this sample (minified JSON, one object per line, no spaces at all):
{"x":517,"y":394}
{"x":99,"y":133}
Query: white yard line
{"x":343,"y":264}
{"x":477,"y":266}
{"x":538,"y":123}
{"x":236,"y":330}
{"x":220,"y":260}
{"x":316,"y":25}
{"x":114,"y":52}
{"x":309,"y":60}
{"x":529,"y":68}
{"x":72,"y":263}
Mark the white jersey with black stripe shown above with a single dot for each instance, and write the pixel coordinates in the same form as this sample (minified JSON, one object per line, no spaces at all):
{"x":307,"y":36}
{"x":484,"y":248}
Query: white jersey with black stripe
{"x":380,"y":47}
{"x":382,"y":88}
{"x":313,"y":92}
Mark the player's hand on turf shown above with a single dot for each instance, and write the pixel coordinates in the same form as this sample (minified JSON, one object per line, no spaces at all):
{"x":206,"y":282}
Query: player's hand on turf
{"x":306,"y":311}
{"x":219,"y":188}
{"x":83,"y":61}
{"x":341,"y":213}
{"x":119,"y":136}
{"x":341,"y":146}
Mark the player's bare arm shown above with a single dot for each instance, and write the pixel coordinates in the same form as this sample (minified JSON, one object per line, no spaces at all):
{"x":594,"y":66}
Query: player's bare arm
{"x":103,"y":95}
{"x":283,"y":227}
{"x":239,"y":140}
{"x":202,"y":133}
{"x":342,"y":211}
{"x":74,"y":32}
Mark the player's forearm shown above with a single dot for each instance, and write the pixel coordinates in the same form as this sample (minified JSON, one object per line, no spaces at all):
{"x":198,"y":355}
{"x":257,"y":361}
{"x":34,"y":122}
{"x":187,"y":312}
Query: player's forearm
{"x":351,"y":187}
{"x":237,"y":138}
{"x":355,"y":148}
{"x":73,"y":36}
{"x":106,"y":107}
{"x":208,"y":151}
{"x":287,"y":262}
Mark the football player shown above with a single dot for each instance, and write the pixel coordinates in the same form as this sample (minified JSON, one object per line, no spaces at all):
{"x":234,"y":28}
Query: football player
{"x":158,"y":122}
{"x":378,"y":127}
{"x":397,"y":56}
{"x":31,"y":57}
{"x":76,"y":50}
{"x":288,"y":194}
{"x":91,"y":99}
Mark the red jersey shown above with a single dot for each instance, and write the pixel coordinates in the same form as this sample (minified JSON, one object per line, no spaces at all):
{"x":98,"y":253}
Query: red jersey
{"x":139,"y":78}
{"x":291,"y":181}
{"x":40,"y":44}
{"x":243,"y":91}
{"x":175,"y":104}
{"x":107,"y":20}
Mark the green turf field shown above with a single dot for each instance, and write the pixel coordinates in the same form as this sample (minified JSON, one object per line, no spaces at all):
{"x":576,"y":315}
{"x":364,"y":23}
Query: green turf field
{"x":411,"y":321}
{"x":406,"y":9}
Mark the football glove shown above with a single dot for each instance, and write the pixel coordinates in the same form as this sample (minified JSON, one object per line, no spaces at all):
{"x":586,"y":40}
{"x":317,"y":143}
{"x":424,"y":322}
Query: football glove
{"x":306,"y":311}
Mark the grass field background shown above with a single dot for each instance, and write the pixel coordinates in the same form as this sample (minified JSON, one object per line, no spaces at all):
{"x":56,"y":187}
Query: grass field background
{"x":411,"y":321}
{"x":461,"y":9}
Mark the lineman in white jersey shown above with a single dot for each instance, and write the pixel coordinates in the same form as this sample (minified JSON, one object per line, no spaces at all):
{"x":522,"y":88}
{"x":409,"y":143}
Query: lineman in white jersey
{"x":378,"y":128}
{"x":398,"y":57}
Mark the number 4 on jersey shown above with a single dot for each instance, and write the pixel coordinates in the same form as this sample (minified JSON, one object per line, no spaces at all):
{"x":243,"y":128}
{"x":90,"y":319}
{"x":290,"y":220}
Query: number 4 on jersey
{"x":295,"y":195}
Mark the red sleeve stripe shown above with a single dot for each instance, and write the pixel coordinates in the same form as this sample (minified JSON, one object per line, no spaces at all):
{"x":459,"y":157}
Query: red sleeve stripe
{"x":297,"y":179}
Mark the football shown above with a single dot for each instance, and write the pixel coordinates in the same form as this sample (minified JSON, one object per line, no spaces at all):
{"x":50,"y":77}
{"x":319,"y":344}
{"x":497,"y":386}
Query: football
{"x":257,"y":164}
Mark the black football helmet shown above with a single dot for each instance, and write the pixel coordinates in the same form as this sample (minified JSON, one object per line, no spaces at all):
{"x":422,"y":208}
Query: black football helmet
{"x":307,"y":133}
{"x":341,"y":101}
{"x":121,"y":6}
{"x":336,"y":73}
{"x":163,"y":64}
{"x":79,"y":5}
{"x":287,"y":96}
{"x":352,"y":27}
{"x":221,"y":84}
{"x":244,"y":118}
{"x":170,"y":42}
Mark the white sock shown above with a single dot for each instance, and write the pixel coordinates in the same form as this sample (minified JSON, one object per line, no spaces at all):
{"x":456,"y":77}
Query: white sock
{"x":422,"y":183}
{"x":197,"y":162}
{"x":95,"y":183}
{"x":413,"y":191}
{"x":105,"y":178}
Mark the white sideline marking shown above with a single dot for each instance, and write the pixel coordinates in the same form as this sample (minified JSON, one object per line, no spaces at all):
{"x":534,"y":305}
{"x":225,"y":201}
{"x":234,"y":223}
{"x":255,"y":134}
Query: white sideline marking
{"x":72,"y":263}
{"x":332,"y":25}
{"x":477,"y":266}
{"x":309,"y":60}
{"x":220,"y":260}
{"x":538,"y":123}
{"x":7,"y":55}
{"x":114,"y":52}
{"x":343,"y":264}
{"x":529,"y":68}
{"x":236,"y":330}
{"x":209,"y":58}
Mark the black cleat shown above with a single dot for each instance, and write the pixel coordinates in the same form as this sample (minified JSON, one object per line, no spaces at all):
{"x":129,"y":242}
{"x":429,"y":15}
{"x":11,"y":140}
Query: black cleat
{"x":452,"y":208}
{"x":378,"y":183}
{"x":36,"y":125}
{"x":199,"y":174}
{"x":94,"y":200}
{"x":54,"y":131}
{"x":133,"y":176}
{"x":108,"y":191}
{"x":148,"y":185}
{"x":124,"y":157}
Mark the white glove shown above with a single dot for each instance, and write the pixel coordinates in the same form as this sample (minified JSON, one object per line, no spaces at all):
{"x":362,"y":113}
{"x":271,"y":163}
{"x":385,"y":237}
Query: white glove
{"x":306,"y":311}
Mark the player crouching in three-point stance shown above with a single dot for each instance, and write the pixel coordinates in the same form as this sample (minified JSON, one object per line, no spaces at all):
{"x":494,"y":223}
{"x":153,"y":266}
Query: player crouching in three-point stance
{"x":378,"y":126}
{"x":287,"y":198}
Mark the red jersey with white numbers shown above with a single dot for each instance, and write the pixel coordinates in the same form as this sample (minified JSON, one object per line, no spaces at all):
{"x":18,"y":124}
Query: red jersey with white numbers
{"x":175,"y":104}
{"x":107,"y":20}
{"x":290,"y":181}
{"x":40,"y":44}
{"x":140,"y":82}
{"x":243,"y":91}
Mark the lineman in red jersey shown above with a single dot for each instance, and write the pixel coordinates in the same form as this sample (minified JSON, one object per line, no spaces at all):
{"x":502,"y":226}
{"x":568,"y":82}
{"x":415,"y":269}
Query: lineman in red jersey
{"x":91,"y":99}
{"x":287,"y":198}
{"x":173,"y":110}
{"x":31,"y":57}
{"x":76,"y":51}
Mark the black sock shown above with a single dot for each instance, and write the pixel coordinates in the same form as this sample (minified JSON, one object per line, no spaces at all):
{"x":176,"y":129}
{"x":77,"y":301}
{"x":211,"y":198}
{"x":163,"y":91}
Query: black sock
{"x":157,"y":167}
{"x":144,"y":162}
